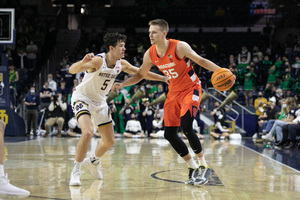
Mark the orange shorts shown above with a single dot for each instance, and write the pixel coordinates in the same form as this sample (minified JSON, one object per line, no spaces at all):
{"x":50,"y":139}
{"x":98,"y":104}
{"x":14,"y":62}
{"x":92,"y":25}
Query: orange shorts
{"x":178,"y":103}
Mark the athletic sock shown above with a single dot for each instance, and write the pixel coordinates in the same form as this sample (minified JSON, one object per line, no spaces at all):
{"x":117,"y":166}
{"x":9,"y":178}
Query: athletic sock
{"x":77,"y":166}
{"x":192,"y":164}
{"x":1,"y":170}
{"x":202,"y":162}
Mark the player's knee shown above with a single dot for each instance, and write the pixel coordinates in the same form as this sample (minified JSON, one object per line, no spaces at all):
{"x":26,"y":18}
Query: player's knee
{"x":170,"y":132}
{"x":186,"y":128}
{"x":87,"y":134}
{"x":110,"y":142}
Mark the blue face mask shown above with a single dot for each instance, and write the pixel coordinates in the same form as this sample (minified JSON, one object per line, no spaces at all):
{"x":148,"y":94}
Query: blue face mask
{"x":32,"y":91}
{"x":284,"y":105}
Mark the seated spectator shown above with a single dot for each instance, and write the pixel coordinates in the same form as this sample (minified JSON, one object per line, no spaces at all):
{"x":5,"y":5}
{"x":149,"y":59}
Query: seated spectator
{"x":133,"y":128}
{"x":289,"y":133}
{"x":158,"y":128}
{"x":74,"y":128}
{"x":56,"y":115}
{"x":221,"y":130}
{"x":290,"y":107}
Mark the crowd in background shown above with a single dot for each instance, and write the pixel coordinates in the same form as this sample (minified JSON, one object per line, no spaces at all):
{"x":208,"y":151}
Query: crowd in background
{"x":261,"y":71}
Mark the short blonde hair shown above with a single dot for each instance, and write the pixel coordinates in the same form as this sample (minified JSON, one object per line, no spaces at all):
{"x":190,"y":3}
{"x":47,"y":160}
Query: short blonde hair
{"x":163,"y":24}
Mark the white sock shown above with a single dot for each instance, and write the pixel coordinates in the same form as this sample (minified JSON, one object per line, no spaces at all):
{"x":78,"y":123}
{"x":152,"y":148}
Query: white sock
{"x":202,"y":162}
{"x":191,"y":163}
{"x":77,"y":166}
{"x":1,"y":170}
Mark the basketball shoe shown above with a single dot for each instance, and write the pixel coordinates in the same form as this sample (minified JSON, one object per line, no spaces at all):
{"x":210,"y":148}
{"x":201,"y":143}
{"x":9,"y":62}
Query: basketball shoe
{"x":94,"y":167}
{"x":203,"y":176}
{"x":193,"y":173}
{"x":75,"y":178}
{"x":8,"y":190}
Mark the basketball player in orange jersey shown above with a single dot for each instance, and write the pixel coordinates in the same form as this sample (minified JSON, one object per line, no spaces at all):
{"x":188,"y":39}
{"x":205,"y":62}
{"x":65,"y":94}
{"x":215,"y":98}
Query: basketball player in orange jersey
{"x":172,"y":57}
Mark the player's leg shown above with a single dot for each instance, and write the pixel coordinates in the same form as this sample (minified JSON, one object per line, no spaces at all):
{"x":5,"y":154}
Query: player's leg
{"x":87,"y":131}
{"x":107,"y":141}
{"x":7,"y":190}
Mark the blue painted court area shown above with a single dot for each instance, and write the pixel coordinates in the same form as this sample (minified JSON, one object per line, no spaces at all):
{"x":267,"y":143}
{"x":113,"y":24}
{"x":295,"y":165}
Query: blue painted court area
{"x":290,"y":158}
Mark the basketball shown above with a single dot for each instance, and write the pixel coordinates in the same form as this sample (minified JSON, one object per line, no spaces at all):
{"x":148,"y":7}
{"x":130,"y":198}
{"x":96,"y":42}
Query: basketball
{"x":222,"y":79}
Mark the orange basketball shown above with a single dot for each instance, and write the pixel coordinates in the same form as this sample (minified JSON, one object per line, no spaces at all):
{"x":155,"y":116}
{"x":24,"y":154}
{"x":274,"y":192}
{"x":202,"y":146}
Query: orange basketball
{"x":222,"y":79}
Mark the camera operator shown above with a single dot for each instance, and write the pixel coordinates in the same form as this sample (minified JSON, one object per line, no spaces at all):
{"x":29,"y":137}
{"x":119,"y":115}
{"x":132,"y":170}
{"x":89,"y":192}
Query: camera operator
{"x":56,"y":114}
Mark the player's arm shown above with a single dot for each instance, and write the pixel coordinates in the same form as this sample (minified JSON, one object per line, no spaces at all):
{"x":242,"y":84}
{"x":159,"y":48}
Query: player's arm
{"x":89,"y":63}
{"x":130,"y":69}
{"x":183,"y":49}
{"x":137,"y":77}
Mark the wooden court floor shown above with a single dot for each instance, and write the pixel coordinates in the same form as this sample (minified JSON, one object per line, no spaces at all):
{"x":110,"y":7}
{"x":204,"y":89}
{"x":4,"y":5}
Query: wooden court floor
{"x":148,"y":169}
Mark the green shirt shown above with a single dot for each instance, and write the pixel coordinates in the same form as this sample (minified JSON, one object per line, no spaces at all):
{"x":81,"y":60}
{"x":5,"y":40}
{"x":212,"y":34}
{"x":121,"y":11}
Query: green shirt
{"x":248,"y":82}
{"x":272,"y":76}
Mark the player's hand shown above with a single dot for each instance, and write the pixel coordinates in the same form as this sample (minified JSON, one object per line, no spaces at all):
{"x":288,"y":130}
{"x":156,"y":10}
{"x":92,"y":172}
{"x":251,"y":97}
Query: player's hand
{"x":117,"y":86}
{"x":88,"y":57}
{"x":166,"y":80}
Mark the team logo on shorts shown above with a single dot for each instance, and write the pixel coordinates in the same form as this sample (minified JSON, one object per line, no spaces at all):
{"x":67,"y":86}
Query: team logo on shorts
{"x":78,"y":106}
{"x":195,"y":110}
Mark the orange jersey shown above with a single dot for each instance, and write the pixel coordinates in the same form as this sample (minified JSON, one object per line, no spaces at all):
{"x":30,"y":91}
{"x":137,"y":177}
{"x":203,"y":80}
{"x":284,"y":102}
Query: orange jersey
{"x":179,"y":71}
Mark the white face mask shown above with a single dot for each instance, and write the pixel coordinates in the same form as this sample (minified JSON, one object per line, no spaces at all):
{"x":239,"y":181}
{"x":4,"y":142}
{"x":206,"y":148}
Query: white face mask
{"x":284,"y":105}
{"x":32,"y":91}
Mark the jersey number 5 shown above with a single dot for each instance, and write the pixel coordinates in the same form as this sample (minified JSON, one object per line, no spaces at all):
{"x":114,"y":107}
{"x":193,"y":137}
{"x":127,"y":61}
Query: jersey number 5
{"x":170,"y":73}
{"x":105,"y":84}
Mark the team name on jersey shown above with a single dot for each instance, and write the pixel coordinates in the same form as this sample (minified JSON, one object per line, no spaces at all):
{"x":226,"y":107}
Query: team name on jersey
{"x":166,"y":65}
{"x":107,"y":75}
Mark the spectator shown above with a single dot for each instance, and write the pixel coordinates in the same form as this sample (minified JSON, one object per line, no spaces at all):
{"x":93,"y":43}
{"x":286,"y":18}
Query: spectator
{"x":21,"y":60}
{"x":32,"y":100}
{"x":52,"y":83}
{"x":56,"y":115}
{"x":119,"y":103}
{"x":259,"y":107}
{"x":271,"y":80}
{"x":74,"y":128}
{"x":287,"y":83}
{"x":295,"y":72}
{"x":45,"y":96}
{"x":249,"y":77}
{"x":148,"y":114}
{"x":244,"y":54}
{"x":158,"y":129}
{"x":221,"y":130}
{"x":290,"y":108}
{"x":279,"y":97}
{"x":264,"y":68}
{"x":31,"y":50}
{"x":133,"y":128}
{"x":13,"y":80}
{"x":256,"y":53}
{"x":62,"y":91}
{"x":289,"y":133}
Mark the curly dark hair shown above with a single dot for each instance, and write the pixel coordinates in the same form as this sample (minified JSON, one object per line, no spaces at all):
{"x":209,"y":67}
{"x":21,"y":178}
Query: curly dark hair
{"x":111,"y":39}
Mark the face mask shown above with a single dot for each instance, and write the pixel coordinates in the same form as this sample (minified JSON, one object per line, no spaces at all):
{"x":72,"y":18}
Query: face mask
{"x":160,"y":90}
{"x":255,"y":60}
{"x":142,"y":89}
{"x":284,"y":105}
{"x":32,"y":91}
{"x":260,"y":96}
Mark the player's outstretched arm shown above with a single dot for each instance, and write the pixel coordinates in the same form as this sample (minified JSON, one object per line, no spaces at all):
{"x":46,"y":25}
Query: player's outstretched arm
{"x":88,"y":63}
{"x":137,"y":77}
{"x":183,"y":49}
{"x":130,"y":69}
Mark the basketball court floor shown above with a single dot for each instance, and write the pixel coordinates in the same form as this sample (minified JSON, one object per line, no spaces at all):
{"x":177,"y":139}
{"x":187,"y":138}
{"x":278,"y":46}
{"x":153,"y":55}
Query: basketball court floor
{"x":150,"y":169}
